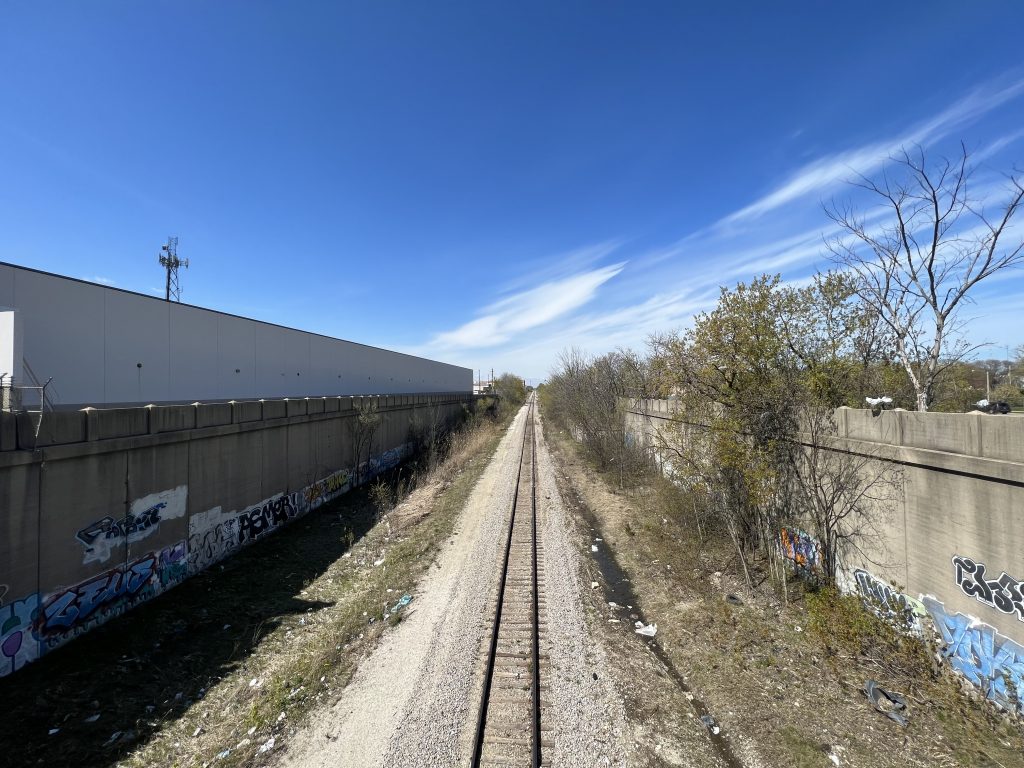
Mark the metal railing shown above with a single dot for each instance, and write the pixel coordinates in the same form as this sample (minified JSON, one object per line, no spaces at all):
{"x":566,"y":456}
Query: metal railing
{"x":35,"y":398}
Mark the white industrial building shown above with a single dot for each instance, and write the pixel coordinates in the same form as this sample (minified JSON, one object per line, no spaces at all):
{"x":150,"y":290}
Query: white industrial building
{"x":101,"y":346}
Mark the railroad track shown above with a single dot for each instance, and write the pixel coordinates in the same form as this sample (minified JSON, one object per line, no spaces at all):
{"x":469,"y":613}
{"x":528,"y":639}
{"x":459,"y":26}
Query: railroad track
{"x":510,"y":728}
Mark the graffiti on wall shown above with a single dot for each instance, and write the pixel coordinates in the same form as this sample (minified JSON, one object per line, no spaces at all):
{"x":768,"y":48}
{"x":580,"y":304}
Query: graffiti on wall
{"x":266,"y":516}
{"x":102,"y":537}
{"x":172,"y":565}
{"x":1004,"y":594}
{"x":322,"y":491}
{"x":32,"y":626}
{"x":212,"y":536}
{"x":215,"y":534}
{"x":903,"y":611}
{"x":386,"y":460}
{"x":802,"y":549}
{"x":18,"y":641}
{"x":989,"y":660}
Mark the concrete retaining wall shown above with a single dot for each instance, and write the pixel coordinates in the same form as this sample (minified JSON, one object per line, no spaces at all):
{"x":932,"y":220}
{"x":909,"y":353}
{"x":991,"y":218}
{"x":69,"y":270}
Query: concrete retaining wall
{"x":109,"y":508}
{"x":950,"y":558}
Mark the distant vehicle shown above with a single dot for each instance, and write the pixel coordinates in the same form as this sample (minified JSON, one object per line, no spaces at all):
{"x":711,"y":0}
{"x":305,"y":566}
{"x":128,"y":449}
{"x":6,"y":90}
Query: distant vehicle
{"x":997,"y":407}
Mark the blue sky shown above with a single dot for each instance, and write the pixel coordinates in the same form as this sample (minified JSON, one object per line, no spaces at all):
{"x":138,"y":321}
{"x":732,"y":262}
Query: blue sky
{"x":485,"y":183}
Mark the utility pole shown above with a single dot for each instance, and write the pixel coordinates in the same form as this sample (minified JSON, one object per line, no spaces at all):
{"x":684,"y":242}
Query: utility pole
{"x":169,"y":260}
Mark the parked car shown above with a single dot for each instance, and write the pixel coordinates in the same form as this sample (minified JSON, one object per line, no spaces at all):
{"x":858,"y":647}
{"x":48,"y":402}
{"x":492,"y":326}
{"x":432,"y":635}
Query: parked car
{"x":997,"y":407}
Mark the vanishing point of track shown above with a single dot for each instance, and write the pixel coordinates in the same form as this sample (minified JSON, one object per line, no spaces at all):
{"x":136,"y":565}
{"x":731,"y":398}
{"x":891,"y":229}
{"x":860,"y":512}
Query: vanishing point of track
{"x":509,"y":728}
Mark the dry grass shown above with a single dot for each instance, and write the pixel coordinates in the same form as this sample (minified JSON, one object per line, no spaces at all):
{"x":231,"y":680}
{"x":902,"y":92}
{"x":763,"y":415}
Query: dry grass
{"x":212,"y":671}
{"x":783,"y":676}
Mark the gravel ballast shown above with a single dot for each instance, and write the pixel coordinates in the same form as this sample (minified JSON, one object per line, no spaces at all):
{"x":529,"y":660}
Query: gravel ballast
{"x":411,"y":703}
{"x":414,"y":699}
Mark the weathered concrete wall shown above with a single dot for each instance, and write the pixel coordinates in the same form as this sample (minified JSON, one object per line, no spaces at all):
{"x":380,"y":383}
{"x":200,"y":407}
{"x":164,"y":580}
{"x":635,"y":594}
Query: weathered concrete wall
{"x":951,"y":554}
{"x":104,"y":346}
{"x":111,"y":508}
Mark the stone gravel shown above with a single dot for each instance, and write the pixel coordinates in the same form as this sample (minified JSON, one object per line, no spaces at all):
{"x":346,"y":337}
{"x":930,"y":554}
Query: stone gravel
{"x":414,"y":700}
{"x":585,"y":709}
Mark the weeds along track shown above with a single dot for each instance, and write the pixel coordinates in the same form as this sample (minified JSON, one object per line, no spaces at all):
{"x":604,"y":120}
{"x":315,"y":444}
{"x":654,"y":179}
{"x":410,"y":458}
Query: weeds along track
{"x":510,"y":728}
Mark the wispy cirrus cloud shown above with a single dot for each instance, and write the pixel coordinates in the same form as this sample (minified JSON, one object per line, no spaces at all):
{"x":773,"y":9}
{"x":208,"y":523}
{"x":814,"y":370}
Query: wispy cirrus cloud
{"x":526,"y":310}
{"x":829,"y":170}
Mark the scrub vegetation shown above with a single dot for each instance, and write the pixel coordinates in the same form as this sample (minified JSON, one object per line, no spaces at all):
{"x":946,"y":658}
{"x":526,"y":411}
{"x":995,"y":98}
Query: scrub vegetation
{"x":781,"y":668}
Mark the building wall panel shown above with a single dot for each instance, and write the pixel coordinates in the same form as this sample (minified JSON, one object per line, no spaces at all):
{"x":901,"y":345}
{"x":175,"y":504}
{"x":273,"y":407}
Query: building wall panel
{"x":91,"y":338}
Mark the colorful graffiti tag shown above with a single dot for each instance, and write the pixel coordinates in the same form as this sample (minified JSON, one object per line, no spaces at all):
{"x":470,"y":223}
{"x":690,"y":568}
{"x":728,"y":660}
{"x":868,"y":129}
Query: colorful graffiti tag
{"x":18,"y":641}
{"x":71,"y":612}
{"x":103,"y":537}
{"x":172,"y":565}
{"x":802,"y":549}
{"x":992,"y":662}
{"x":322,"y":491}
{"x":903,"y":611}
{"x":1004,"y":594}
{"x":32,"y":626}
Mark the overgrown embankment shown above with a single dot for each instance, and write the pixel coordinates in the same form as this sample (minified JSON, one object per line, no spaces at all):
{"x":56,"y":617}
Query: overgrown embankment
{"x":226,"y":666}
{"x":781,"y":671}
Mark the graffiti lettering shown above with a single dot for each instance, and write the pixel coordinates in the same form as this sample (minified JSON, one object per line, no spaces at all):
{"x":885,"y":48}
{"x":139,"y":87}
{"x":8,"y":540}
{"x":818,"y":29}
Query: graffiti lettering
{"x":886,"y":601}
{"x":322,"y":491}
{"x":74,"y":606}
{"x":992,"y":662}
{"x":173,"y":565}
{"x":210,"y":541}
{"x":109,"y":528}
{"x":18,"y":641}
{"x":1004,"y":594}
{"x":265,"y":517}
{"x":800,"y":548}
{"x":103,"y":537}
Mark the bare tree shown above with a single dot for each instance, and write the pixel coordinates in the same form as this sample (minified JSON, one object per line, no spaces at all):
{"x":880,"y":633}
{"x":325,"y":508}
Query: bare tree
{"x":365,"y":428}
{"x":915,"y":270}
{"x":844,"y":498}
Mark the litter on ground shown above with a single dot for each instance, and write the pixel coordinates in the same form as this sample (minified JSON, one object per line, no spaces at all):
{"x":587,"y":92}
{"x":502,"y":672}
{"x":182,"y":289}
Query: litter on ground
{"x":892,"y":705}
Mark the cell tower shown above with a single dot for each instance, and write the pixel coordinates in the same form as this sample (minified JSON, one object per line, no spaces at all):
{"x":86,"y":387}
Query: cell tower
{"x":169,"y":259}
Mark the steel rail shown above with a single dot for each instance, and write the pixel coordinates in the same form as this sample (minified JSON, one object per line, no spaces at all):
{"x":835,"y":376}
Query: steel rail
{"x":478,"y":739}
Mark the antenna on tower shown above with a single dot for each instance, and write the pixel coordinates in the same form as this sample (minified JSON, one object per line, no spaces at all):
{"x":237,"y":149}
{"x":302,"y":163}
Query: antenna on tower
{"x":169,"y":259}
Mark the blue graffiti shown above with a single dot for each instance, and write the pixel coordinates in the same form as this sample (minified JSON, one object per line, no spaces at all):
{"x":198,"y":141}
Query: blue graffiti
{"x":173,"y":567}
{"x":385,"y":461}
{"x":992,"y":662}
{"x":18,"y":641}
{"x":73,"y":606}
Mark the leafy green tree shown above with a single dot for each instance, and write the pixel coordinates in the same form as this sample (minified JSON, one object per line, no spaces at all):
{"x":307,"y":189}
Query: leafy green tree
{"x":510,"y":388}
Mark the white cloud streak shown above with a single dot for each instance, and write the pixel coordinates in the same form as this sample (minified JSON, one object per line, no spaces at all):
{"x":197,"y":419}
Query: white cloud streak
{"x":526,"y":310}
{"x":829,"y":170}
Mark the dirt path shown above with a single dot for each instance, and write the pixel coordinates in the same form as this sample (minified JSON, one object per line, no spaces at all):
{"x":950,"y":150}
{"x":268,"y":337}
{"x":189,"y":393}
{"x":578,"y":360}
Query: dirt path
{"x":414,"y":700}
